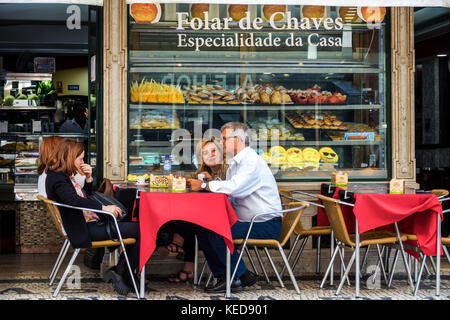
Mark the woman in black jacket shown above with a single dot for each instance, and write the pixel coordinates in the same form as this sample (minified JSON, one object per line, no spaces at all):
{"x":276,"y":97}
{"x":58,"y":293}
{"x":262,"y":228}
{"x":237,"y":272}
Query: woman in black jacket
{"x":82,"y":227}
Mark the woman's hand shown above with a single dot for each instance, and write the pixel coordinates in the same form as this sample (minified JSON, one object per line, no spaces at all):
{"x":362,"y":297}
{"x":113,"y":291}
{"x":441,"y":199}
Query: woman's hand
{"x":116,"y":211}
{"x":208,"y":177}
{"x":87,"y":171}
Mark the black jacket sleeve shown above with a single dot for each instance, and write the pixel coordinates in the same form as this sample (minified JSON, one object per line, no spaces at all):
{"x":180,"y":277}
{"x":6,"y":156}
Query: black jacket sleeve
{"x":60,"y":187}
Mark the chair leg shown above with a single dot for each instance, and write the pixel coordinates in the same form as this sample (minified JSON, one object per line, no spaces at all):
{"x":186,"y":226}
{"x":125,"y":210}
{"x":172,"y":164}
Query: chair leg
{"x":201,"y":273}
{"x":297,"y":257}
{"x":66,"y":272}
{"x":251,"y":260}
{"x":291,"y":252}
{"x":273,"y":267}
{"x":336,"y":250}
{"x":66,"y":249}
{"x":416,"y":288}
{"x":261,"y":264}
{"x":446,"y":253}
{"x":364,"y":261}
{"x":380,"y":253}
{"x":318,"y":255}
{"x":394,"y":264}
{"x":405,"y":260}
{"x":341,"y":255}
{"x":195,"y":260}
{"x":347,"y":270}
{"x":291,"y":274}
{"x":56,"y":265}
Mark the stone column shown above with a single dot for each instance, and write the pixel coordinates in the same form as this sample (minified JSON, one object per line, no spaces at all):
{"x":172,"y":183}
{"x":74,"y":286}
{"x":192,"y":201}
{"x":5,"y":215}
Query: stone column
{"x":402,"y":94}
{"x":115,"y":90}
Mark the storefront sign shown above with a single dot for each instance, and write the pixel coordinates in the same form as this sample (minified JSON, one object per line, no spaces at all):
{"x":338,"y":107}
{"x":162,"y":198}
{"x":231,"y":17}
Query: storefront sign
{"x":251,"y":40}
{"x":73,"y":87}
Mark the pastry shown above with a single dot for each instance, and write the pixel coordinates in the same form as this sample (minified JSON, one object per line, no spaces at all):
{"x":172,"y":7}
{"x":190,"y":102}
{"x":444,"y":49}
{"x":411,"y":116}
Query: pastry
{"x":269,"y":10}
{"x":275,"y":98}
{"x":237,"y":11}
{"x":145,"y":12}
{"x":313,"y":11}
{"x":198,"y":10}
{"x":373,"y":14}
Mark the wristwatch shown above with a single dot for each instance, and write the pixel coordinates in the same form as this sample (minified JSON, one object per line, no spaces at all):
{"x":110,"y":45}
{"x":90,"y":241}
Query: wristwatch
{"x":203,"y":185}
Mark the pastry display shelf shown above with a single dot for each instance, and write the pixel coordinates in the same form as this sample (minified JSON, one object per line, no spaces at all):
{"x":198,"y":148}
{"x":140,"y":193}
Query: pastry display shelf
{"x":296,"y":143}
{"x":255,"y":107}
{"x":27,"y":108}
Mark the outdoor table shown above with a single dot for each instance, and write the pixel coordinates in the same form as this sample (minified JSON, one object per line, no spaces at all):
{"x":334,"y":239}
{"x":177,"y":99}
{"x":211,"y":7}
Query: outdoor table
{"x":212,"y":211}
{"x":409,"y":213}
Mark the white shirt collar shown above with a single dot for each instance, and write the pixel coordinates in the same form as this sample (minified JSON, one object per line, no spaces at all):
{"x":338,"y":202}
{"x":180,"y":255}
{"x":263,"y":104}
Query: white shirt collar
{"x":241,"y":154}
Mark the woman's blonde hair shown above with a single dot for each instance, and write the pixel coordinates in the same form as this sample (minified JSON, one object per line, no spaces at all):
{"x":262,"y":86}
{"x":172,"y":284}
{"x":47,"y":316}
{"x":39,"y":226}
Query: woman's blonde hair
{"x":64,"y":157}
{"x":46,"y":152}
{"x":221,"y":173}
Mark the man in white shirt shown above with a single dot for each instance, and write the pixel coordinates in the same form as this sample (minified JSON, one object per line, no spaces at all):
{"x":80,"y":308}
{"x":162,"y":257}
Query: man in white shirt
{"x":252,"y":190}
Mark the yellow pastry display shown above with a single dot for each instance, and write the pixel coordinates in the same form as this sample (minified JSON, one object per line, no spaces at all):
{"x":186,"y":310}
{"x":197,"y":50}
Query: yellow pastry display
{"x":311,"y":157}
{"x":328,"y":155}
{"x":237,"y":11}
{"x":154,"y":92}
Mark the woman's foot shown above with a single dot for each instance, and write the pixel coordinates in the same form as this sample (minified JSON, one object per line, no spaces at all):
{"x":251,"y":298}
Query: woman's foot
{"x":182,"y":276}
{"x":119,"y":284}
{"x":177,"y":244}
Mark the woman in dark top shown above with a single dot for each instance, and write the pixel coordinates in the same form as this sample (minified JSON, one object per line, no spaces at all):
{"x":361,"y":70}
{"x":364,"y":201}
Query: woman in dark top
{"x":82,"y":227}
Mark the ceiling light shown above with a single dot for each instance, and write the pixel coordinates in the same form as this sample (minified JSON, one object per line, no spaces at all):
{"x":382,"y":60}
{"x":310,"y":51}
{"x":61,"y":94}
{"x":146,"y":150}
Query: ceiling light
{"x":441,"y":55}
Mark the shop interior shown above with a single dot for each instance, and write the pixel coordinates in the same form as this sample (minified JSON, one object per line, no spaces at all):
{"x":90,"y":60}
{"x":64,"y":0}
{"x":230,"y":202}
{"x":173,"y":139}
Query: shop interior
{"x":47,"y":87}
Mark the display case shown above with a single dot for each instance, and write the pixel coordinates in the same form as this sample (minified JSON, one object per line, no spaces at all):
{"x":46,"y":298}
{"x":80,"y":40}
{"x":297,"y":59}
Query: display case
{"x":310,"y":81}
{"x":25,"y":121}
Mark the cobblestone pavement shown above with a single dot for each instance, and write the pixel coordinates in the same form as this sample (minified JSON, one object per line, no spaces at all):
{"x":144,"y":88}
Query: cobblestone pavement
{"x":19,"y":282}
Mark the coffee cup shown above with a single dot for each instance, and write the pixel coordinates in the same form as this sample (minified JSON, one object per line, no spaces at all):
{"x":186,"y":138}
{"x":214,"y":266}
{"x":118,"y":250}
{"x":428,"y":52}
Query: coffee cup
{"x":201,"y":176}
{"x":141,"y":180}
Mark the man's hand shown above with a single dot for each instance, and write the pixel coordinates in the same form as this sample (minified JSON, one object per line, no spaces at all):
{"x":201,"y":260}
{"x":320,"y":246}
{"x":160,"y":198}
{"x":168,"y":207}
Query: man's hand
{"x":194,"y":184}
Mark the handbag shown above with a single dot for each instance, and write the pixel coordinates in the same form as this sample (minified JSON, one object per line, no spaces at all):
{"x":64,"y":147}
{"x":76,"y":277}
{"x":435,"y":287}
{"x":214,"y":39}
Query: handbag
{"x":106,"y":220}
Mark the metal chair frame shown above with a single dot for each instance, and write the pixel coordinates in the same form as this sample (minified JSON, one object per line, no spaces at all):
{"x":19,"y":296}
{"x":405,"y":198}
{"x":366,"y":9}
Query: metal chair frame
{"x":356,"y":256}
{"x":77,"y":250}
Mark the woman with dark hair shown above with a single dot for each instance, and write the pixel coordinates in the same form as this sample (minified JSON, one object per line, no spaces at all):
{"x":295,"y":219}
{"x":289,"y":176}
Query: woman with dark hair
{"x":84,"y":227}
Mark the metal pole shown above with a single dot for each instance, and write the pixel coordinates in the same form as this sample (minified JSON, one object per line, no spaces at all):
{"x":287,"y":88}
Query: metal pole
{"x":438,"y":256}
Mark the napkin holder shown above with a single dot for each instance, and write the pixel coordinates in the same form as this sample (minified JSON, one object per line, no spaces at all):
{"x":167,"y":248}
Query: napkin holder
{"x":339,"y":179}
{"x":159,"y":181}
{"x":177,"y":184}
{"x":397,"y":186}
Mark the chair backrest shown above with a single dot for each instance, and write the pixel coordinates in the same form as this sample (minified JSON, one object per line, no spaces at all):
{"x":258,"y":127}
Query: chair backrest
{"x":285,"y":192}
{"x":440,"y":192}
{"x":290,"y":220}
{"x":337,"y":222}
{"x":55,"y":214}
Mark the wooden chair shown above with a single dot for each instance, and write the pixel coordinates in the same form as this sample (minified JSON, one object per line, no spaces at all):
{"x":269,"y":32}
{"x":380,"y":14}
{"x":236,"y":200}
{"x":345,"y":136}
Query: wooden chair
{"x":56,"y":216}
{"x":291,"y":217}
{"x":355,"y":241}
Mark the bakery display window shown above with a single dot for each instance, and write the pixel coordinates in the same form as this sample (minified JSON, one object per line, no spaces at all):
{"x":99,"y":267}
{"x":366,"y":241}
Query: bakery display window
{"x":310,"y":82}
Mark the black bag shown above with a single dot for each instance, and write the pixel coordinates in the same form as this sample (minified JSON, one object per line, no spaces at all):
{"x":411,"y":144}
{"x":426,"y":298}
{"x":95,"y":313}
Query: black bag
{"x":127,"y":196}
{"x":106,"y":220}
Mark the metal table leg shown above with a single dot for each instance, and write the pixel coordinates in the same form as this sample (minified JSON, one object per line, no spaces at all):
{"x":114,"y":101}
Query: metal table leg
{"x":438,"y":256}
{"x":228,"y":284}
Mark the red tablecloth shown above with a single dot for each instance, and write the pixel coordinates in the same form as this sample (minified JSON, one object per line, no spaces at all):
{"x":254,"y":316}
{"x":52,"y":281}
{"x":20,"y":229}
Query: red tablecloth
{"x":415,"y":214}
{"x":212,"y":211}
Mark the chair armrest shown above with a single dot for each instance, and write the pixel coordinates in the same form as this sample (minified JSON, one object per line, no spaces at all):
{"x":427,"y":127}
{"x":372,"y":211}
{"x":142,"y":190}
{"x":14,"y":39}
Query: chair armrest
{"x":81,"y":208}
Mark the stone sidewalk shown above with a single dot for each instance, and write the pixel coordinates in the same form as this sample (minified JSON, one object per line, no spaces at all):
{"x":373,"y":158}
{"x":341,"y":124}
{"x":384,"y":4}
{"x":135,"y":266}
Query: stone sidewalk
{"x":24,"y":277}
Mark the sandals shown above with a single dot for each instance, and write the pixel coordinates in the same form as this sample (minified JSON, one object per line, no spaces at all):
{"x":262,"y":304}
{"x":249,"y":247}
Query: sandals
{"x":188,"y":277}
